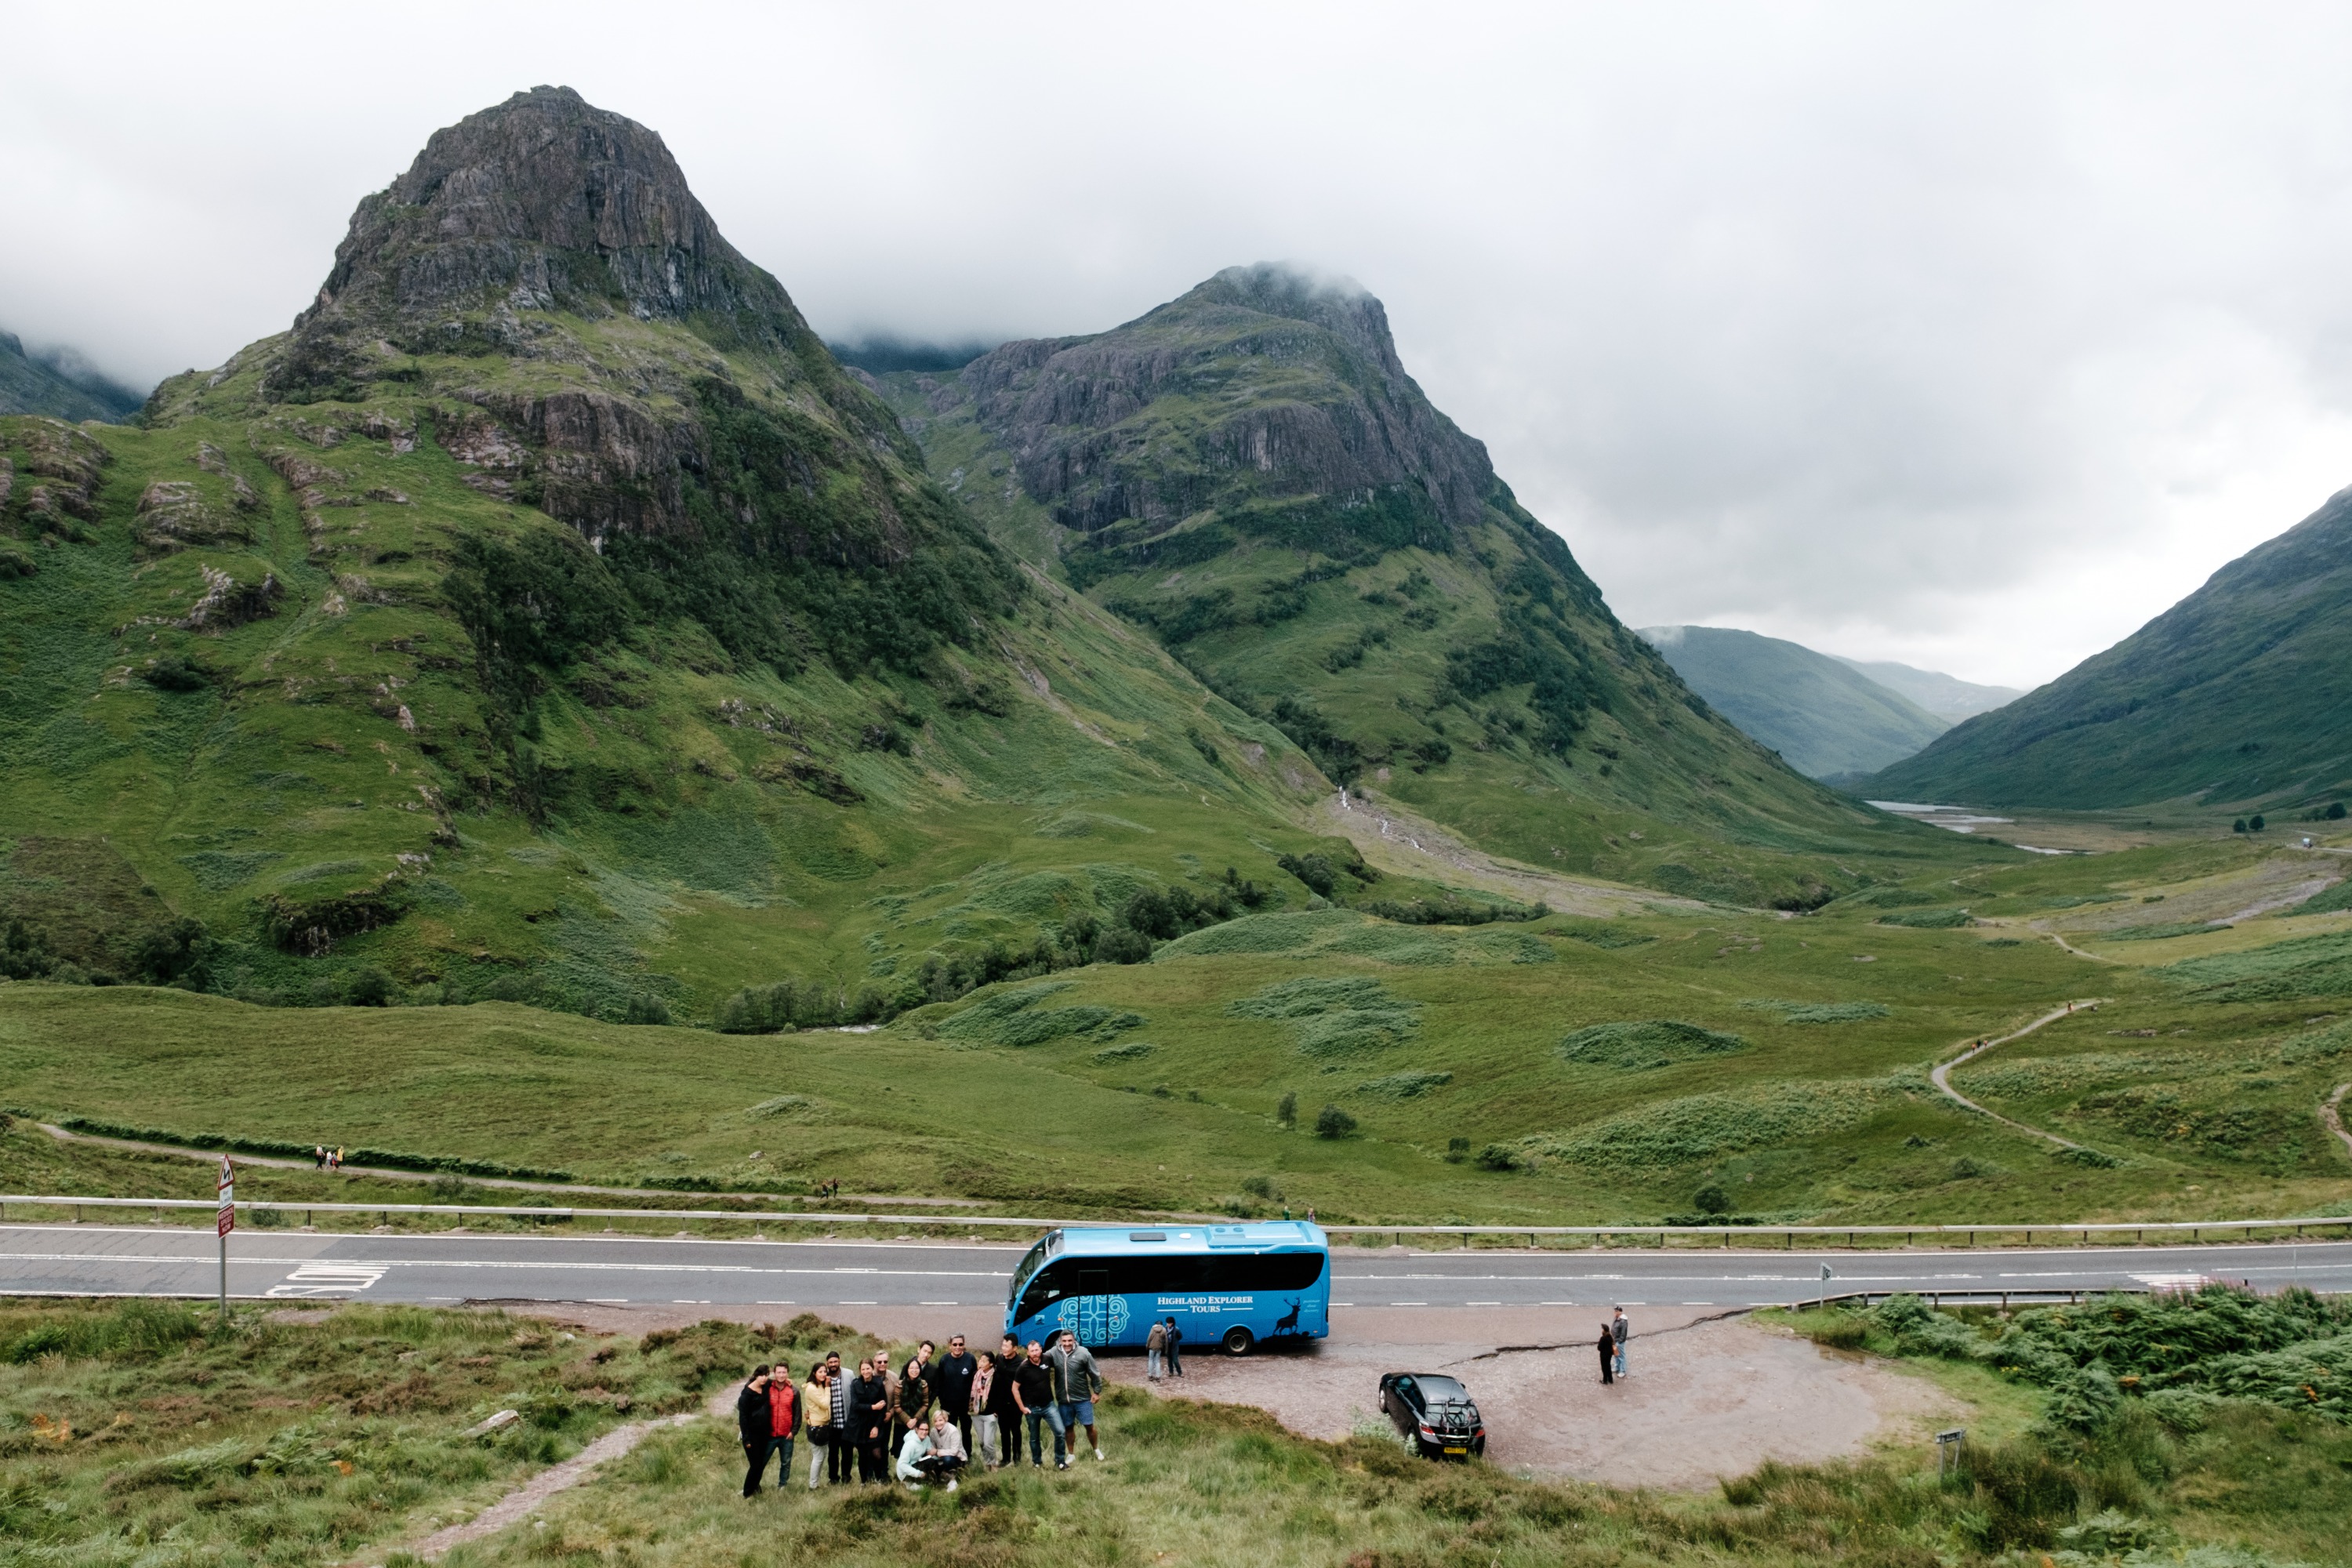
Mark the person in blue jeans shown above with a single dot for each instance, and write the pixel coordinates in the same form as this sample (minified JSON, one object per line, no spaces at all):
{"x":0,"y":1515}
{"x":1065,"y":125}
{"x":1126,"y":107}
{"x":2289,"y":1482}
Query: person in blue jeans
{"x":1032,"y":1396}
{"x":1075,"y":1382}
{"x":1621,"y":1330}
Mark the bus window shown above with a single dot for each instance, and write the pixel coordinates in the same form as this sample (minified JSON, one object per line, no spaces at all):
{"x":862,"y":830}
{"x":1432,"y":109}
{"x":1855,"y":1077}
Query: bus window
{"x":1046,"y":1287}
{"x":1031,"y":1262}
{"x":1093,"y":1281}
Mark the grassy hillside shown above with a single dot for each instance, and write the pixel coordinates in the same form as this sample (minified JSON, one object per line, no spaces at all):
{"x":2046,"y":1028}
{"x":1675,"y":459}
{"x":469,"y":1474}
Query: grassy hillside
{"x":342,"y":1436}
{"x":1590,"y":1070}
{"x":548,"y":617}
{"x":1249,"y":472}
{"x":1824,"y":718}
{"x":2241,"y":694}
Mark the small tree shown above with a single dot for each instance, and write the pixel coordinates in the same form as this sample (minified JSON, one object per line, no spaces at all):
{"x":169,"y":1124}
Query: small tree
{"x":1285,"y":1109}
{"x":2239,"y":826}
{"x":1496,"y":1157}
{"x":1333,"y":1122}
{"x":1710,"y":1200}
{"x":1458,"y":1150}
{"x":2254,"y":822}
{"x":2335,"y":811}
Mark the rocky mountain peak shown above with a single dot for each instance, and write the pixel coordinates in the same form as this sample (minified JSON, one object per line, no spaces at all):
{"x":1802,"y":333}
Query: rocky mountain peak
{"x":543,"y":202}
{"x":1339,"y":305}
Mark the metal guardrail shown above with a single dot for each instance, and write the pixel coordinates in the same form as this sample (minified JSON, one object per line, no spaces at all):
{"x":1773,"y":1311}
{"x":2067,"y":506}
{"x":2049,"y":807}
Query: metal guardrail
{"x":2175,"y":1231}
{"x":1964,"y":1297}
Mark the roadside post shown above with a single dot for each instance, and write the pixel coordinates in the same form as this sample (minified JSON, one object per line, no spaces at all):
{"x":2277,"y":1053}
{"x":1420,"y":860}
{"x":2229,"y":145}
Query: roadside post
{"x":227,"y":1222}
{"x":1951,"y":1450}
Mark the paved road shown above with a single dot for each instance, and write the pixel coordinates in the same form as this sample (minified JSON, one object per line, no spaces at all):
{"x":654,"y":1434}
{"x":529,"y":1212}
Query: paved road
{"x":91,"y":1260}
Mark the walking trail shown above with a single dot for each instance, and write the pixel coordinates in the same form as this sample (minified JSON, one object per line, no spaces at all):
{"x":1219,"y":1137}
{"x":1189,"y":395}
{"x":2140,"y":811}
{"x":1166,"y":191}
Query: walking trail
{"x":1943,"y":1082}
{"x":2331,"y":1112}
{"x":522,"y":1503}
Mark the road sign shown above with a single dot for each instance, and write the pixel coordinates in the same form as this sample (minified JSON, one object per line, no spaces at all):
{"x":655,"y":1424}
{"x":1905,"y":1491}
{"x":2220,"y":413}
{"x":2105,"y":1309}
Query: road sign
{"x":228,"y":1217}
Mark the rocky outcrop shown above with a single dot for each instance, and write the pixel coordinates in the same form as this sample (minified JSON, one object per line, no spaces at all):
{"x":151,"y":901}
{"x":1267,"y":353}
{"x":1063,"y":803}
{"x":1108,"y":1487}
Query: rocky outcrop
{"x":1260,"y":386}
{"x":62,"y":468}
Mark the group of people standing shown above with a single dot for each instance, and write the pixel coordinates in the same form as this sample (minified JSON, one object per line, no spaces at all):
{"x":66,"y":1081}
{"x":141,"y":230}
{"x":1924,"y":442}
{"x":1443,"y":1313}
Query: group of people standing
{"x":926,"y":1421}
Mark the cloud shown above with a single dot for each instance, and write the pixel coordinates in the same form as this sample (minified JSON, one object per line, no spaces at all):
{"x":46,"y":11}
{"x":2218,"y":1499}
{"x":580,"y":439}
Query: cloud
{"x":1968,"y":336}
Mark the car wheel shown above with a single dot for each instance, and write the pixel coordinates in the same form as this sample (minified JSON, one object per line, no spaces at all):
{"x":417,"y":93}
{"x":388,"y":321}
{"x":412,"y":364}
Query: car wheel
{"x":1238,"y":1340}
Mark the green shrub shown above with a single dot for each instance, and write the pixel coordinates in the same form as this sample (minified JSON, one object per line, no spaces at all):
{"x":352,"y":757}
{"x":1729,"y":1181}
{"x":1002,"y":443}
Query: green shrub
{"x":1334,"y":1017}
{"x":1498,"y":1157}
{"x":1012,"y":1019}
{"x":1649,"y":1043}
{"x":1929,"y":919}
{"x":1820,"y":1012}
{"x":1333,"y":1122}
{"x":1711,"y":1199}
{"x":1456,"y":1150}
{"x":1285,"y":1109}
{"x":1404,"y":1085}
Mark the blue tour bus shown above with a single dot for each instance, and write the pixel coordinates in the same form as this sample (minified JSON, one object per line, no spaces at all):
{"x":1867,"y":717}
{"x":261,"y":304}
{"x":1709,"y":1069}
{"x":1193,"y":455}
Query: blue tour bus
{"x":1234,"y":1285}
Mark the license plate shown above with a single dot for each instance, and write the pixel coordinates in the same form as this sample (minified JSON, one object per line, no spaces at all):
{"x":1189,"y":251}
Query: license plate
{"x":1457,"y":1450}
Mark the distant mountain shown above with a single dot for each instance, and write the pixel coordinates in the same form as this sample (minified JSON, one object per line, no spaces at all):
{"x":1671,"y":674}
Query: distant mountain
{"x":1947,"y":697}
{"x":1823,"y":718}
{"x":2240,"y":692}
{"x":1249,"y":472}
{"x":61,"y":386}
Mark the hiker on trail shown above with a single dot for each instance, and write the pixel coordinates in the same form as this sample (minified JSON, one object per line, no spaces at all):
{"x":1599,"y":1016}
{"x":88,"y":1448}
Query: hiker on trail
{"x":869,"y":1419}
{"x":983,"y":1419}
{"x":318,"y":1155}
{"x":816,"y":1419}
{"x":1621,"y":1330}
{"x":1311,"y":1213}
{"x":951,"y":1380}
{"x":755,"y":1425}
{"x":841,"y":1445}
{"x":946,"y":1457}
{"x":1003,"y":1401}
{"x":1033,"y":1394}
{"x":1608,"y":1351}
{"x":1155,"y":1346}
{"x":1076,"y":1380}
{"x":1175,"y":1350}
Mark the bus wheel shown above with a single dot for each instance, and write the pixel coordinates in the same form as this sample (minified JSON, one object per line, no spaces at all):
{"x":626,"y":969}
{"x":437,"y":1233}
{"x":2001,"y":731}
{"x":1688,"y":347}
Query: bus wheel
{"x":1238,"y":1340}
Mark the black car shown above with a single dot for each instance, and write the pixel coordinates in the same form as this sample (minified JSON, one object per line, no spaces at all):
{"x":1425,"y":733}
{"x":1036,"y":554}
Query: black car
{"x":1435,"y":1411}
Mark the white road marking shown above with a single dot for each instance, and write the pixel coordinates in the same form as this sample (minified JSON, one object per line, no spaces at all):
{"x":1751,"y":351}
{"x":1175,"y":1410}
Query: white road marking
{"x":327,"y":1279}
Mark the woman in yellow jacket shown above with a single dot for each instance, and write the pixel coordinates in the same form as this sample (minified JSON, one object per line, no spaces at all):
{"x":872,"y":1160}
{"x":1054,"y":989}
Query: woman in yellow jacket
{"x":817,"y":1418}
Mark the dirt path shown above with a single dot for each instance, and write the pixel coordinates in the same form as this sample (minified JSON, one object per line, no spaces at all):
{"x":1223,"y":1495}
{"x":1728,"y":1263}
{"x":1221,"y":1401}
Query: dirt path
{"x":2331,"y":1112}
{"x":2065,"y":946}
{"x":503,"y":1184}
{"x":1703,"y":1399}
{"x":1396,"y":838}
{"x":519,"y":1504}
{"x":1943,"y":1082}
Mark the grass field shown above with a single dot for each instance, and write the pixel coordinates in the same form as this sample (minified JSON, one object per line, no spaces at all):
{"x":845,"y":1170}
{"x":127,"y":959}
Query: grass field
{"x":146,"y":1433}
{"x":1592,"y":1070}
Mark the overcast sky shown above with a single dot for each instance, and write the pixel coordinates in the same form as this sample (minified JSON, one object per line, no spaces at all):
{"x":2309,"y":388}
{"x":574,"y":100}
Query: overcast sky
{"x":1970,"y":337}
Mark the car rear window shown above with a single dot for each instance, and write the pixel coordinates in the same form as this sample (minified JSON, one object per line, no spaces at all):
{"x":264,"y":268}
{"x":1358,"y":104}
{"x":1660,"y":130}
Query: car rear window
{"x":1444,"y":1388}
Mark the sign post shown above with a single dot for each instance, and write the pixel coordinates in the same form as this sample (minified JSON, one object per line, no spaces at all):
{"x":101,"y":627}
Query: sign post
{"x":227,"y":1222}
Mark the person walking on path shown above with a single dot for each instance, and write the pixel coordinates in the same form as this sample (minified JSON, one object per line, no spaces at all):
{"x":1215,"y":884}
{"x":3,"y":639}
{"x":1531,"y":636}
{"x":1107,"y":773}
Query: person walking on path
{"x":1033,"y":1393}
{"x":816,"y":1419}
{"x":1621,"y":1330}
{"x":951,"y":1380}
{"x":870,"y":1418}
{"x":983,"y":1419}
{"x":1608,"y":1352}
{"x":1175,"y":1350}
{"x":1004,"y":1402}
{"x":754,"y":1422}
{"x":1155,"y":1346}
{"x":1076,"y":1380}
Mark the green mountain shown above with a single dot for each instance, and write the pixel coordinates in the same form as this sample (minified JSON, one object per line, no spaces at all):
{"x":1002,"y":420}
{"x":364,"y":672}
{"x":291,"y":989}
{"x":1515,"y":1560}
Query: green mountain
{"x":1947,"y":697}
{"x":548,"y":615}
{"x":2242,"y":692}
{"x":1825,"y":718}
{"x":1249,"y":472}
{"x":59,"y":386}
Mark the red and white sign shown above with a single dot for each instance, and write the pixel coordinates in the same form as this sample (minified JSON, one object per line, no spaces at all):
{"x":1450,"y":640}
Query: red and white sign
{"x":228,"y":1216}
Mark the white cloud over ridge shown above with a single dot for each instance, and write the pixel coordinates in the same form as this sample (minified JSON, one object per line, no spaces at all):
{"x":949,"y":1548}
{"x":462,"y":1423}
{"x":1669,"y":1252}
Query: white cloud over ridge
{"x":1970,"y":337}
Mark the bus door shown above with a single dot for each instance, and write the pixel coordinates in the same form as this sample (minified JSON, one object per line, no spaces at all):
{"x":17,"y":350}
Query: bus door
{"x":1100,"y":1317}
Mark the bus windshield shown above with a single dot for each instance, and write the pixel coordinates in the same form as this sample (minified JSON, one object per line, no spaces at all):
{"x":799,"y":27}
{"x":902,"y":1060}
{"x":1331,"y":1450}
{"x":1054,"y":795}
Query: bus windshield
{"x":1032,"y":1261}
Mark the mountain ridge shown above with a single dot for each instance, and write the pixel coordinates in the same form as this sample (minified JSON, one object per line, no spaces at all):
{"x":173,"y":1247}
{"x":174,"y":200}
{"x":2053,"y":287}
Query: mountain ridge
{"x":2240,"y":692}
{"x":1825,"y":718}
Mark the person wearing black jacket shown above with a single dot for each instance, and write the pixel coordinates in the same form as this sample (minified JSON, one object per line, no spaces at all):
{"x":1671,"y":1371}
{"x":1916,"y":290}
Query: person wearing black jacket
{"x":1001,"y":1403}
{"x":952,"y":1377}
{"x":755,"y":1422}
{"x":869,"y":1420}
